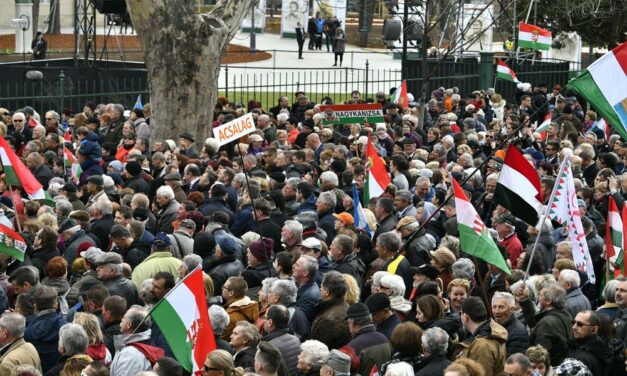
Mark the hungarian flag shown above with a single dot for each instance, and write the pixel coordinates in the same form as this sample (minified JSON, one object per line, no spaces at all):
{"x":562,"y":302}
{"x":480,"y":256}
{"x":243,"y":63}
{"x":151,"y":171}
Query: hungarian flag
{"x":545,"y":123}
{"x":518,"y":188}
{"x":565,"y":211}
{"x":183,"y":318}
{"x":400,"y":95}
{"x":616,"y":231}
{"x":534,"y":37}
{"x":377,"y":179}
{"x":604,"y":85}
{"x":70,"y":161}
{"x":505,"y":72}
{"x":473,"y":235}
{"x":17,"y":174}
{"x":11,"y":243}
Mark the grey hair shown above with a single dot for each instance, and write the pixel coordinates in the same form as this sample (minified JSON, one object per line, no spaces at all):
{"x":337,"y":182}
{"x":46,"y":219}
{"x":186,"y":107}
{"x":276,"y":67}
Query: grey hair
{"x":423,"y":179}
{"x":400,"y":369}
{"x":240,"y":178}
{"x":73,"y":339}
{"x":435,"y":341}
{"x":529,"y":286}
{"x":118,"y":108}
{"x":139,"y":318}
{"x":55,"y":115}
{"x":250,"y":332}
{"x":390,"y":241}
{"x":395,"y":283}
{"x":329,"y":177}
{"x":103,"y":205}
{"x":295,"y":228}
{"x":266,"y":284}
{"x":14,"y":323}
{"x":509,"y":298}
{"x":463,"y":268}
{"x":311,"y":265}
{"x":166,"y":191}
{"x":609,"y":291}
{"x":521,"y":359}
{"x":492,"y":176}
{"x":287,"y":291}
{"x":376,"y":277}
{"x":219,"y":318}
{"x":292,"y":182}
{"x":556,"y":294}
{"x":191,"y":261}
{"x":405,"y":195}
{"x":64,"y":207}
{"x":571,"y":276}
{"x":25,"y":370}
{"x":329,"y":199}
{"x":313,"y":352}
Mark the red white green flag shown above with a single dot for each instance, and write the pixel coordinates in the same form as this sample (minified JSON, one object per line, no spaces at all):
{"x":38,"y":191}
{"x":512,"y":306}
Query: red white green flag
{"x":534,"y":37}
{"x":71,"y":162}
{"x":11,"y":243}
{"x":615,"y":237}
{"x":400,"y":95}
{"x":377,"y":179}
{"x":17,"y":174}
{"x":504,"y":72}
{"x":473,"y":234}
{"x":545,"y":123}
{"x":183,"y":318}
{"x":564,"y":210}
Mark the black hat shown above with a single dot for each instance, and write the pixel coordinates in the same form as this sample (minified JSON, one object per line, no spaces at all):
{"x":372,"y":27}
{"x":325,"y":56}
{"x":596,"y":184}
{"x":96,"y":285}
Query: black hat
{"x":427,"y":270}
{"x":567,"y":110}
{"x":67,"y":224}
{"x":357,"y":310}
{"x":70,"y":187}
{"x":506,"y":218}
{"x":133,"y":168}
{"x":187,"y":136}
{"x":141,"y":214}
{"x":377,"y":302}
{"x":96,"y":179}
{"x":87,"y":284}
{"x":277,"y":176}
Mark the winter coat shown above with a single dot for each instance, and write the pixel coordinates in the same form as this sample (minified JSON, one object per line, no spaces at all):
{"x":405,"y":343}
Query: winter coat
{"x":289,"y":346}
{"x":551,"y":328}
{"x":165,"y":217}
{"x":254,"y":276}
{"x":71,"y":246}
{"x":372,"y":348}
{"x":351,"y":264}
{"x":308,"y":205}
{"x":576,"y":302}
{"x":123,"y":287}
{"x":213,"y":205}
{"x":620,"y":323}
{"x":417,"y":248}
{"x":517,"y":336}
{"x":298,"y":324}
{"x":182,"y":244}
{"x":40,"y":257}
{"x":222,"y":269}
{"x":244,"y":309}
{"x":110,"y":331}
{"x":101,"y":229}
{"x":138,"y":185}
{"x":307,"y":297}
{"x":17,"y":353}
{"x":339,"y":45}
{"x":65,"y":361}
{"x":594,"y":352}
{"x":156,"y":262}
{"x":387,"y":326}
{"x":245,"y":358}
{"x":133,"y":255}
{"x":243,"y":222}
{"x":72,"y":296}
{"x":329,"y":325}
{"x":43,"y":333}
{"x":387,"y":224}
{"x":326,"y":221}
{"x":129,"y":361}
{"x":400,"y":266}
{"x":433,"y":366}
{"x":269,"y":229}
{"x":487,"y":346}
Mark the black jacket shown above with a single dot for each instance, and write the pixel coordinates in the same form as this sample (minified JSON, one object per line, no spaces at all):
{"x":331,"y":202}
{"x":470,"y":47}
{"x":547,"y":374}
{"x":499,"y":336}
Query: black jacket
{"x":224,"y":268}
{"x":594,"y":353}
{"x":123,"y":287}
{"x":432,"y":366}
{"x":41,"y":256}
{"x":387,"y":326}
{"x":101,"y":229}
{"x":133,"y":255}
{"x":138,"y":185}
{"x":388,"y":224}
{"x":352,"y":265}
{"x":517,"y":336}
{"x":213,"y":205}
{"x":254,"y":276}
{"x":43,"y":175}
{"x":108,"y":333}
{"x":245,"y":359}
{"x":269,"y":229}
{"x":327,"y":223}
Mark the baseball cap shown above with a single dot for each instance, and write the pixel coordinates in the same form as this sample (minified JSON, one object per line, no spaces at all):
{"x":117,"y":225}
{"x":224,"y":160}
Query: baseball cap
{"x":312,"y":243}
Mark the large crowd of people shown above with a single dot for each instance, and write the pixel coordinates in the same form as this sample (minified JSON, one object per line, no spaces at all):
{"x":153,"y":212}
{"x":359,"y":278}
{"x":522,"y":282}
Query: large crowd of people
{"x":295,"y":283}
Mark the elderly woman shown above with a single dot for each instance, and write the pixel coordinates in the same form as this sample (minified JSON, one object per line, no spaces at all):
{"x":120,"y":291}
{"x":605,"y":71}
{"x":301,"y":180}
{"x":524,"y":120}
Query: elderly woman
{"x":96,"y":348}
{"x":73,"y":343}
{"x":219,"y":320}
{"x":312,"y":352}
{"x":284,"y":292}
{"x":394,"y":286}
{"x":220,"y":361}
{"x":263,"y":302}
{"x":540,"y":360}
{"x":244,"y":340}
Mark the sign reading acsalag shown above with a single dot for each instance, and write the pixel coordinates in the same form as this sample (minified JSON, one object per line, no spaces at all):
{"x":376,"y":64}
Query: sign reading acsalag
{"x":234,"y":129}
{"x":352,"y":113}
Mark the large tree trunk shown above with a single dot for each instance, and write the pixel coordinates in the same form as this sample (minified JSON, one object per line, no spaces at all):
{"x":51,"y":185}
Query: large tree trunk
{"x":182,"y":51}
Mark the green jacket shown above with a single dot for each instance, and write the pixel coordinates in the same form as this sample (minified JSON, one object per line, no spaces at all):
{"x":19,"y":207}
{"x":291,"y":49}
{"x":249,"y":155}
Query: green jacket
{"x":156,"y":262}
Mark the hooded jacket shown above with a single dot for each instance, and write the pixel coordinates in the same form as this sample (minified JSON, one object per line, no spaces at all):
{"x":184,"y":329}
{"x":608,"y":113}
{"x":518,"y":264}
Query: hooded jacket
{"x":43,"y":333}
{"x":487,"y":346}
{"x":244,"y":309}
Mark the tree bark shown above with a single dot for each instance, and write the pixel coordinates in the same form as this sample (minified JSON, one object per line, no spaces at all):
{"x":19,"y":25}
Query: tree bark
{"x":182,"y":52}
{"x":35,"y":21}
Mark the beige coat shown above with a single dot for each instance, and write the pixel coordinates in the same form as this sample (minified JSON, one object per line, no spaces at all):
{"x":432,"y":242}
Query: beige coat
{"x":20,"y":352}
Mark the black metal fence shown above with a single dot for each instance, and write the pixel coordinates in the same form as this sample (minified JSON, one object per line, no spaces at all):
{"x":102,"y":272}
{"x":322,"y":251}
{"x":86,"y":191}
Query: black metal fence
{"x":62,"y":85}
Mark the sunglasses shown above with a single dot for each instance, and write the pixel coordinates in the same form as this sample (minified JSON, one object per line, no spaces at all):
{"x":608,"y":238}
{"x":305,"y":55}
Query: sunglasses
{"x":207,"y":368}
{"x":18,"y":121}
{"x":580,"y":324}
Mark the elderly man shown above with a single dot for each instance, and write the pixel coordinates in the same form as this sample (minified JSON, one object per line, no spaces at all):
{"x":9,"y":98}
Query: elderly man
{"x":188,"y":146}
{"x":95,"y":188}
{"x":219,"y":320}
{"x":576,"y":301}
{"x":35,"y":163}
{"x":505,"y":226}
{"x":73,"y":236}
{"x":434,"y":347}
{"x":387,"y":247}
{"x":372,"y":347}
{"x":15,"y":350}
{"x":289,"y":193}
{"x":21,"y":132}
{"x":336,"y":364}
{"x":503,"y":307}
{"x":132,"y":359}
{"x":345,"y":260}
{"x":292,"y":237}
{"x":113,"y":130}
{"x":383,"y":317}
{"x":384,"y":212}
{"x":325,"y":206}
{"x":403,"y":204}
{"x":159,"y":260}
{"x":278,"y":333}
{"x":304,"y":273}
{"x":110,"y":273}
{"x":284,"y":292}
{"x":168,"y":208}
{"x":101,"y":213}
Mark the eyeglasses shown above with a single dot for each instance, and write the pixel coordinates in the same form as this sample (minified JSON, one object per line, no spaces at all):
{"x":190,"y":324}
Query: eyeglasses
{"x":48,"y":118}
{"x":17,"y":120}
{"x":580,"y":324}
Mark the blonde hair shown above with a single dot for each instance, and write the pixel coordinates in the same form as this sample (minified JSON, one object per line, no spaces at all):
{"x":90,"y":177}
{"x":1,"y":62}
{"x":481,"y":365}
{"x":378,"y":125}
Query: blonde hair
{"x":48,"y":219}
{"x":458,"y":282}
{"x":538,"y":354}
{"x":352,"y":289}
{"x":564,"y":264}
{"x":91,"y":324}
{"x":466,"y":367}
{"x":223,"y":361}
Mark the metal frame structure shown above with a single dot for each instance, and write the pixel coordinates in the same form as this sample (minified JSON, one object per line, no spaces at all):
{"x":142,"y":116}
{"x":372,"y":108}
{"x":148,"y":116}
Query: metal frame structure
{"x":84,"y":33}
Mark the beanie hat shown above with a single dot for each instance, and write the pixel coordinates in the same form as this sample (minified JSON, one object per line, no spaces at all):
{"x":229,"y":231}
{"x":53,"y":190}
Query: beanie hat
{"x":257,"y":248}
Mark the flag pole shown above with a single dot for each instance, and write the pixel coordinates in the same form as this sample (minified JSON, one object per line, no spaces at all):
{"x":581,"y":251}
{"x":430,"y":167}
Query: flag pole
{"x":545,"y":215}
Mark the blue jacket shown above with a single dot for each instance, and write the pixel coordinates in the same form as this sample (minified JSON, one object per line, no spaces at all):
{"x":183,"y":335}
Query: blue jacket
{"x":307,"y":298}
{"x":43,"y":333}
{"x":326,"y":221}
{"x":244,"y":221}
{"x":308,"y":205}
